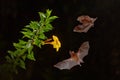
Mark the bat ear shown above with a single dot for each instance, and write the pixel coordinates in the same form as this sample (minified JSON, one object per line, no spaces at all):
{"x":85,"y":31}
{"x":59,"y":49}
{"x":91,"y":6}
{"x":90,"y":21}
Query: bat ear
{"x":71,"y":52}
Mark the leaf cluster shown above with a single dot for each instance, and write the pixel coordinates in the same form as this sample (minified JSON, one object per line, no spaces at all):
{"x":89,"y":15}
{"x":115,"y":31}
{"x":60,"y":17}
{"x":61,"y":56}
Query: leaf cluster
{"x":33,"y":34}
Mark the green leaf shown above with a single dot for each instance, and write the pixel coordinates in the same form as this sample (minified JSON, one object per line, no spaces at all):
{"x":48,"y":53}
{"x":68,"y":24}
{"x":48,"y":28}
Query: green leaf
{"x":8,"y":59}
{"x":48,"y":12}
{"x":42,"y":16}
{"x":20,"y":45}
{"x":21,"y":52}
{"x":34,"y":25}
{"x":22,"y":42}
{"x":12,"y":54}
{"x":41,"y":30}
{"x":30,"y":49}
{"x":24,"y":57}
{"x":50,"y":19}
{"x":17,"y":53}
{"x":48,"y":27}
{"x":42,"y":36}
{"x":22,"y":64}
{"x":27,"y":30}
{"x":28,"y":45}
{"x":31,"y":56}
{"x":28,"y":27}
{"x":37,"y":42}
{"x":28,"y":34}
{"x":17,"y":45}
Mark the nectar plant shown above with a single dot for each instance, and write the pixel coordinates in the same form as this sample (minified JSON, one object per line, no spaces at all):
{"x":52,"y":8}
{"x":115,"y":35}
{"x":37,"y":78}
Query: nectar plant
{"x":33,"y":34}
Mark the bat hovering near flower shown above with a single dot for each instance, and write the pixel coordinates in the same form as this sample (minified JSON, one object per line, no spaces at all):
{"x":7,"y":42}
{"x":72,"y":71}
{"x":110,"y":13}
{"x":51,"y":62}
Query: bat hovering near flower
{"x":87,"y":23}
{"x":75,"y":59}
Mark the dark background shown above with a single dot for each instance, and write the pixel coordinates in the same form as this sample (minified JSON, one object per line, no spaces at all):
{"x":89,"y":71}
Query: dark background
{"x":103,"y":61}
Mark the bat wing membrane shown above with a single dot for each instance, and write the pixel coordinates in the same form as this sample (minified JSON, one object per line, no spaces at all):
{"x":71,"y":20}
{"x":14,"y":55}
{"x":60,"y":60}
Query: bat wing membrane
{"x":66,"y":64}
{"x":83,"y":50}
{"x":81,"y":28}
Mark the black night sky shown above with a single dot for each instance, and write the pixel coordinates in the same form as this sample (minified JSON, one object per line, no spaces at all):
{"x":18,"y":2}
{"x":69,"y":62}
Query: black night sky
{"x":103,"y":61}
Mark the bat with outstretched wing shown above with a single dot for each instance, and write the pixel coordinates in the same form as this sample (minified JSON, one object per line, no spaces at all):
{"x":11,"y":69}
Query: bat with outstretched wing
{"x":75,"y":59}
{"x":87,"y":23}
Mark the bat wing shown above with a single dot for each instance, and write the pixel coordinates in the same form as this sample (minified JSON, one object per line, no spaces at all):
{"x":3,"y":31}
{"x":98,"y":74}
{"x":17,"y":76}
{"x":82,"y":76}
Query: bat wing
{"x":82,"y":28}
{"x":83,"y":50}
{"x":66,"y":64}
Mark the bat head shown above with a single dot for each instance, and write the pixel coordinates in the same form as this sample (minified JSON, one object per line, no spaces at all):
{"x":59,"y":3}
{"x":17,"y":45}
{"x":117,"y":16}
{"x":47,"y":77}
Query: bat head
{"x":74,"y":56}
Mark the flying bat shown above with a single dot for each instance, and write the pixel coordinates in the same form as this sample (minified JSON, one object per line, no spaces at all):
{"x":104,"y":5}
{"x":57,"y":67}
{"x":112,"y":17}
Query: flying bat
{"x":87,"y":23}
{"x":75,"y":59}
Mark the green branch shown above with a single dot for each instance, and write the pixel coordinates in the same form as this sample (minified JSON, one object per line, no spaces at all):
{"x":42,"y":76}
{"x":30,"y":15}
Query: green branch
{"x":33,"y":34}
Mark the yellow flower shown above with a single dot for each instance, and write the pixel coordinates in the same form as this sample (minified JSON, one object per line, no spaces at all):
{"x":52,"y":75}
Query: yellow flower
{"x":56,"y":43}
